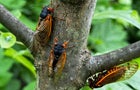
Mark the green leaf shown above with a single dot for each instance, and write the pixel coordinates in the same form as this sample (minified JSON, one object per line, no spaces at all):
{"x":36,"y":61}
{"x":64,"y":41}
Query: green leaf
{"x":25,"y":53}
{"x":4,"y":78}
{"x":119,"y":14}
{"x":86,"y":88}
{"x":1,"y":53}
{"x":5,"y":64}
{"x":1,"y":26}
{"x":12,"y":4}
{"x":125,"y":2}
{"x":13,"y":85}
{"x":16,"y":13}
{"x":30,"y":86}
{"x":107,"y":36}
{"x":28,"y":22}
{"x":26,"y":76}
{"x":21,"y":59}
{"x":134,"y":81}
{"x":7,"y":40}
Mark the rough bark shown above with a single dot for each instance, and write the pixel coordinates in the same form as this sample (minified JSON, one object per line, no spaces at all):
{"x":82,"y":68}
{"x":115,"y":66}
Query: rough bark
{"x":71,"y":22}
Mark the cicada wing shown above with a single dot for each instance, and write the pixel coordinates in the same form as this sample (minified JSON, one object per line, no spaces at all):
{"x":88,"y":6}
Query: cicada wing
{"x":50,"y":63}
{"x":42,"y":34}
{"x":132,"y":68}
{"x":117,"y":73}
{"x":60,"y":66}
{"x":45,"y":29}
{"x":111,"y":75}
{"x":38,"y":24}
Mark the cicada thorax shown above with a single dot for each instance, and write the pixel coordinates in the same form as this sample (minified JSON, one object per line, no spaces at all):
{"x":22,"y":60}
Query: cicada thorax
{"x":57,"y":59}
{"x":117,"y":73}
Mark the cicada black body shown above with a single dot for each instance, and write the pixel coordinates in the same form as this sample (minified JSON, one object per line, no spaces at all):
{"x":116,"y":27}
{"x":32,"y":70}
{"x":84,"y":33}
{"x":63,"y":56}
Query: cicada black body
{"x":57,"y":59}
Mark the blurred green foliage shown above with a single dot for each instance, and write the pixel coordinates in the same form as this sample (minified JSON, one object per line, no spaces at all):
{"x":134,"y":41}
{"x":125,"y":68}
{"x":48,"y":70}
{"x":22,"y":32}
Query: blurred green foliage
{"x":17,"y":71}
{"x":115,"y":24}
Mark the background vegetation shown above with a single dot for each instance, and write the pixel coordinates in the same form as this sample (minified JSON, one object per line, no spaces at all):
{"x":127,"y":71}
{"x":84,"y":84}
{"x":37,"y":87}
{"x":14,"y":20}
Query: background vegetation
{"x":115,"y":24}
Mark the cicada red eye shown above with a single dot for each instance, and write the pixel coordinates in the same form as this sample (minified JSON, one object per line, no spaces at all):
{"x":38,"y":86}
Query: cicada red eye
{"x":51,"y":9}
{"x":57,"y":59}
{"x":121,"y":72}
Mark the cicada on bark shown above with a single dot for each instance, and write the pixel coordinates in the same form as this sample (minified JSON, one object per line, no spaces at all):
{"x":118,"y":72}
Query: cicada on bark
{"x":44,"y":26}
{"x":43,"y":29}
{"x":57,"y":59}
{"x":117,"y":73}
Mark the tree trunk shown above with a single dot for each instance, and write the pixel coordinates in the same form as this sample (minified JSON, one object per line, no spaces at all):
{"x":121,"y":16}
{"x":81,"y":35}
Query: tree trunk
{"x":71,"y":22}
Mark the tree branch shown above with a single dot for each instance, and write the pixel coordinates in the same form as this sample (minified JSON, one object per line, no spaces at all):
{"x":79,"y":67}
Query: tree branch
{"x":108,"y":60}
{"x":22,"y":33}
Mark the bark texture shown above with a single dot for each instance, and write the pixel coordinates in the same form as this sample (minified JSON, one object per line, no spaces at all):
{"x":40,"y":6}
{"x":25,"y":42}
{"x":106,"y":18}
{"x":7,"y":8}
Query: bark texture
{"x":71,"y":22}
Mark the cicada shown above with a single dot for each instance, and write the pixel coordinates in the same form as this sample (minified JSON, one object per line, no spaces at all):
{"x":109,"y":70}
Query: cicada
{"x":57,"y":59}
{"x":45,"y":24}
{"x":117,"y":73}
{"x":43,"y":29}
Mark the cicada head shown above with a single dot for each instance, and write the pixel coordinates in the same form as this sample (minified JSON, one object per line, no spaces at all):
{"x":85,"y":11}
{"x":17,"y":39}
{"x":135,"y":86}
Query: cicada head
{"x":59,"y":47}
{"x":45,"y":11}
